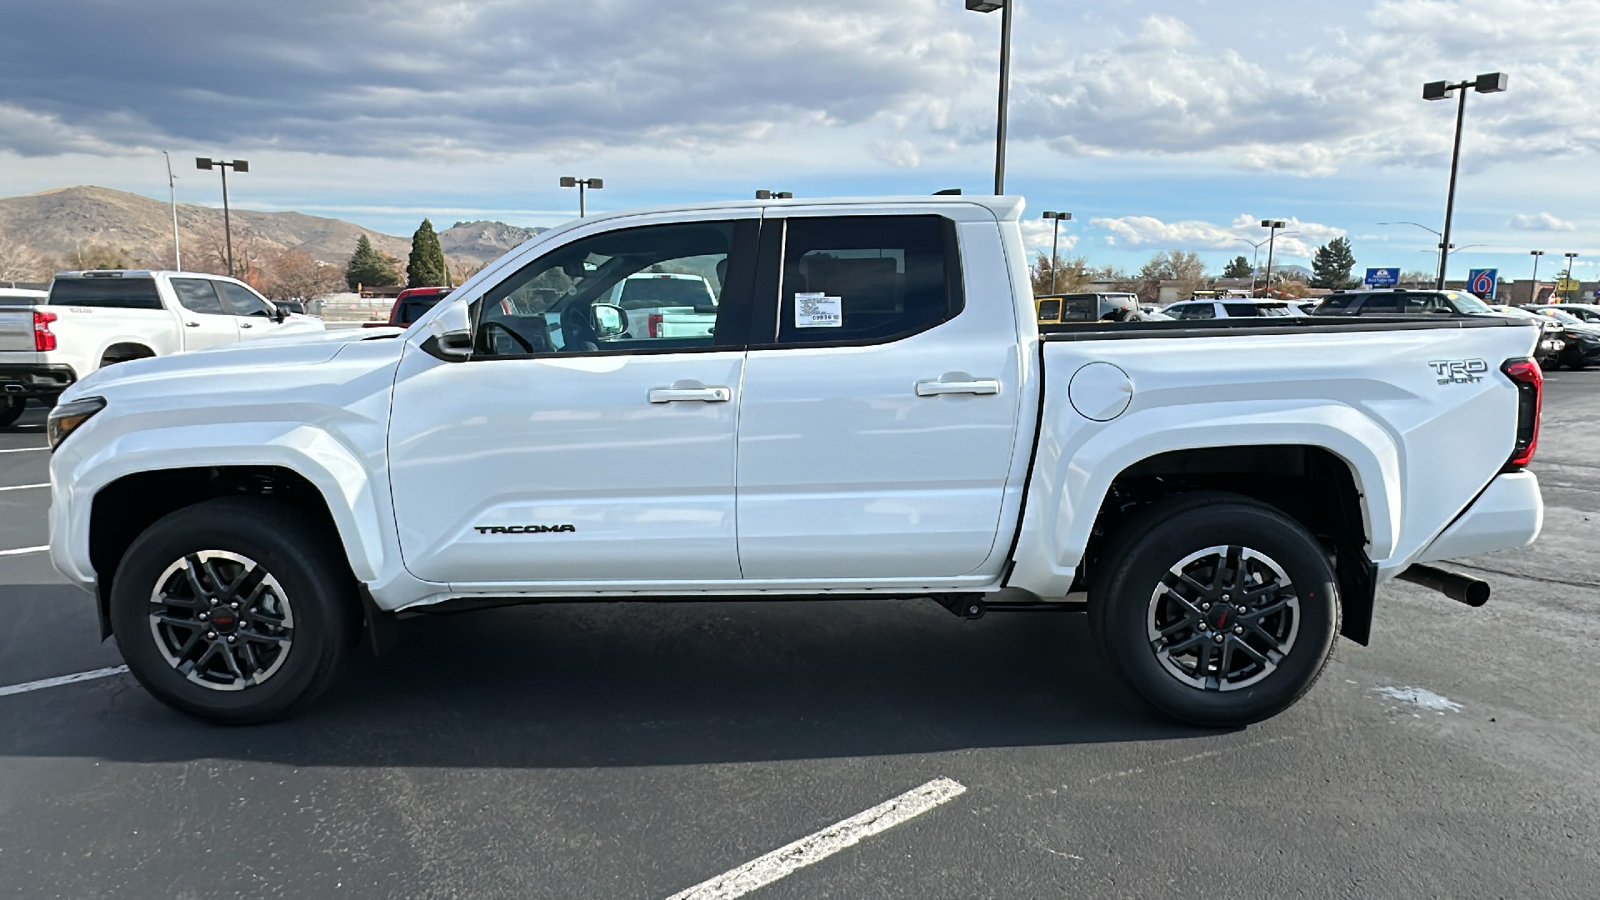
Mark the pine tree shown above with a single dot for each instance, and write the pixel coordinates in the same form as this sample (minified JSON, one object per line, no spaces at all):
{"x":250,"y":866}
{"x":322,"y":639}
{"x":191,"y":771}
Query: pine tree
{"x":426,"y":267}
{"x":1239,"y":268}
{"x":369,"y":267}
{"x":1332,"y":264}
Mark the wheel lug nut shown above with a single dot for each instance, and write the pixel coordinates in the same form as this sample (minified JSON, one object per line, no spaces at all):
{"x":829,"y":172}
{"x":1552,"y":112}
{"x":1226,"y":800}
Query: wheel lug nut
{"x":203,"y":617}
{"x":1203,"y":626}
{"x":211,"y":635}
{"x":231,"y":638}
{"x":235,"y":605}
{"x":1238,"y":629}
{"x":1205,"y":606}
{"x":1218,"y":638}
{"x":1225,"y":598}
{"x":1242,"y":610}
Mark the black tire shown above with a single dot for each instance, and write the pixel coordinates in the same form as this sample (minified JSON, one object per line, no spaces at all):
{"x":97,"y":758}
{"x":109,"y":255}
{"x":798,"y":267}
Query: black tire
{"x":310,"y":588}
{"x":11,"y":409}
{"x":1127,"y":614}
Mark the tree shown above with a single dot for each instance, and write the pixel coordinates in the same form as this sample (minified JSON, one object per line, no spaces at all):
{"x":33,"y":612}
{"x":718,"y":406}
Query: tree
{"x":426,"y":267}
{"x":210,"y":253}
{"x":1239,"y":268}
{"x":1072,"y":274}
{"x":293,"y":275}
{"x":369,"y":267}
{"x":20,"y":262}
{"x":1187,"y":269}
{"x":1332,"y":264}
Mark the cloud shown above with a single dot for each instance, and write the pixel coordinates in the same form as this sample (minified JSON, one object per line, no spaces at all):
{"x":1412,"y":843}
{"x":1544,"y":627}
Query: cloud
{"x":1540,"y":222}
{"x":1298,"y":239}
{"x":1037,"y":234}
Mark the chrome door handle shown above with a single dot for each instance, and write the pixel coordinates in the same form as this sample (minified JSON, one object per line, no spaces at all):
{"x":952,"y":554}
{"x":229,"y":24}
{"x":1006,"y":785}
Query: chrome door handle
{"x":192,"y":324}
{"x":706,"y":394}
{"x":245,"y":325}
{"x":935,"y":388}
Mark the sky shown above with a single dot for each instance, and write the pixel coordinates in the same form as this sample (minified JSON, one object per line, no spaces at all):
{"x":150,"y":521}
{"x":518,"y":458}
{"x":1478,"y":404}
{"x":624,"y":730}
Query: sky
{"x":1160,"y":125}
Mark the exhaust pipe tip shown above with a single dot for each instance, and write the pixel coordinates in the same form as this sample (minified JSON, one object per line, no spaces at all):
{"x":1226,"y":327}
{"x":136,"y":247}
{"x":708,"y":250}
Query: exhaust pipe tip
{"x":1473,"y":592}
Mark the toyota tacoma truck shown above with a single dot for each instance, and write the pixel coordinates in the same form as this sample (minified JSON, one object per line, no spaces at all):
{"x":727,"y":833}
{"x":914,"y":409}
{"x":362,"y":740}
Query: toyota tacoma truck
{"x":92,"y":319}
{"x":875,"y":414}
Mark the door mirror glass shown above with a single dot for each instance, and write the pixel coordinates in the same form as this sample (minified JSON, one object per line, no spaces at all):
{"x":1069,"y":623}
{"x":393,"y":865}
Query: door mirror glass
{"x":610,"y":321}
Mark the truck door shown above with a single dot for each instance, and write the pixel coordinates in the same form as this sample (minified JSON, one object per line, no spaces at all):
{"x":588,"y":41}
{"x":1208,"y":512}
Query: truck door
{"x":571,"y":449}
{"x":206,"y":322}
{"x":250,"y":312}
{"x":880,"y":402}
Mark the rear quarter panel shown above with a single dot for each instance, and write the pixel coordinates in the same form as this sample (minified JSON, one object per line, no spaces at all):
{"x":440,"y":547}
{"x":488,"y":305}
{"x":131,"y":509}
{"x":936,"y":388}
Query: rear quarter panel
{"x":1420,"y":447}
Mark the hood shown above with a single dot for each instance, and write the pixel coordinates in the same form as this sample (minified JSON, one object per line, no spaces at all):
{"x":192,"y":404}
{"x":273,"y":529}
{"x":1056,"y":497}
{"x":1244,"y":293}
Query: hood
{"x":250,"y":359}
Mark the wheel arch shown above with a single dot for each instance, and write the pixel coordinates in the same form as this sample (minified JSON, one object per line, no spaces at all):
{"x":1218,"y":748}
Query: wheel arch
{"x":124,"y":351}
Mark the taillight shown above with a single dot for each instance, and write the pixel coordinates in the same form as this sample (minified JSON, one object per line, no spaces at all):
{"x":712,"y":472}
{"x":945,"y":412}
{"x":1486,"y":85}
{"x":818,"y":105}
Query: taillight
{"x":1525,"y":374}
{"x":43,"y":339}
{"x":654,"y":320}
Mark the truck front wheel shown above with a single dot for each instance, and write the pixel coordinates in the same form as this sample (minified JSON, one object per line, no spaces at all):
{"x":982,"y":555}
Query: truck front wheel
{"x":235,"y":610}
{"x":1218,"y":610}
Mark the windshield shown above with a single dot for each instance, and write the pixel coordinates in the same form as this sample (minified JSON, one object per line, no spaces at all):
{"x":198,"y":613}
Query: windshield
{"x":1467,"y":303}
{"x":113,"y":293}
{"x":654,"y":291}
{"x":1564,"y":318}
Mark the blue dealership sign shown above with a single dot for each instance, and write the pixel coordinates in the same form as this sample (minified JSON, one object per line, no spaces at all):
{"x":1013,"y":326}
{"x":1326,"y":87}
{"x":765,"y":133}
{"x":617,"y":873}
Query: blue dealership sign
{"x":1382,"y":278}
{"x":1483,"y":282}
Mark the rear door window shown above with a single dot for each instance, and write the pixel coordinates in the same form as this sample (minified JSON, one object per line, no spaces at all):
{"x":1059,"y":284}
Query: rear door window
{"x":1380,"y":304}
{"x":866,"y":279}
{"x":197,"y":295}
{"x":1193,"y":311}
{"x":105,"y":293}
{"x":1242,"y":310}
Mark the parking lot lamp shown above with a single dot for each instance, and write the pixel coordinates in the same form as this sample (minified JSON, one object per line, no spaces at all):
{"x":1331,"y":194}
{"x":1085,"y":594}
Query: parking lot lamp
{"x":1570,"y":257}
{"x":238,"y":165}
{"x":1272,"y":226}
{"x":1534,"y":297}
{"x":1056,"y":218}
{"x":774,"y":195}
{"x":1491,"y":83}
{"x":580,"y":184}
{"x":989,"y":6}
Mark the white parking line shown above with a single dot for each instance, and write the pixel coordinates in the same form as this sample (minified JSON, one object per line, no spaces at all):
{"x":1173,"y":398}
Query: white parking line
{"x":21,"y":550}
{"x":24,"y":450}
{"x":785,"y":860}
{"x":24,"y":487}
{"x":60,"y":680}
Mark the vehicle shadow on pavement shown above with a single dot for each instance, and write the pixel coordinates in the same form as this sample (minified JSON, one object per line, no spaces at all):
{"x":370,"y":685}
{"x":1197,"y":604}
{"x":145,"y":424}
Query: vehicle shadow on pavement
{"x":637,"y":684}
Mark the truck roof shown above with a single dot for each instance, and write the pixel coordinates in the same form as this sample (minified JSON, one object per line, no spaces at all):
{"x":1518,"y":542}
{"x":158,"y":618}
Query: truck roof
{"x":1005,"y":207}
{"x":132,"y":273}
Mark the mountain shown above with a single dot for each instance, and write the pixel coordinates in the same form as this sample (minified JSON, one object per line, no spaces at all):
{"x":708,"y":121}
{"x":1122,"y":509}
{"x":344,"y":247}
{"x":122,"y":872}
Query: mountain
{"x":59,"y":223}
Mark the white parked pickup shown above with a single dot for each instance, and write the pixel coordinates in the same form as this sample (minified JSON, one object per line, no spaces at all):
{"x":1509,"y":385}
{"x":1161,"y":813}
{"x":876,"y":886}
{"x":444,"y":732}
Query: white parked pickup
{"x":875,"y":414}
{"x":96,"y":318}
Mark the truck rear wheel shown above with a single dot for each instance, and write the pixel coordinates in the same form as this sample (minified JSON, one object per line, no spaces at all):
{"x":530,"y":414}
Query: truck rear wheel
{"x":1218,"y":610}
{"x":235,"y":610}
{"x":11,"y":409}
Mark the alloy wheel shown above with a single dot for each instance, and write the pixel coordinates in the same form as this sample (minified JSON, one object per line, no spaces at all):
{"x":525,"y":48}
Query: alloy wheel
{"x":221,"y":620}
{"x":1223,"y":618}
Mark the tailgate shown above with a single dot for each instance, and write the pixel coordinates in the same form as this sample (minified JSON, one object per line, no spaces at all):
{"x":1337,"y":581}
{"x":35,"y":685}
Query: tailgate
{"x":16,"y":329}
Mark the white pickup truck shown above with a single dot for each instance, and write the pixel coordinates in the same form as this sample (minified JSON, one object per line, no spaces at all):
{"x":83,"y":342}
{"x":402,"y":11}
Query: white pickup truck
{"x":877,"y":414}
{"x":96,"y":318}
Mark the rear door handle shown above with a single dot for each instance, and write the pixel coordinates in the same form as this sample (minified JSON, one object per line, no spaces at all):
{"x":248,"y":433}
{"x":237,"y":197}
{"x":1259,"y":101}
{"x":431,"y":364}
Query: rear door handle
{"x":980,"y":386}
{"x":704,"y":394}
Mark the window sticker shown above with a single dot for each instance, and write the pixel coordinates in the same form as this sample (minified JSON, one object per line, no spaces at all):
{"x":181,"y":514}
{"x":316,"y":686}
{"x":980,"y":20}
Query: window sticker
{"x":818,"y":310}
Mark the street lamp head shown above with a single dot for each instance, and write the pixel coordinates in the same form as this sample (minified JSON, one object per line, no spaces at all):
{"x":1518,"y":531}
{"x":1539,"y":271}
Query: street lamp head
{"x":1535,"y":252}
{"x":1569,"y":255}
{"x":568,"y":181}
{"x":595,"y":184}
{"x":1436,"y":90}
{"x":1273,"y":223}
{"x":1492,"y":83}
{"x":774,"y":195}
{"x":203,"y":162}
{"x":985,"y":6}
{"x":1058,"y":216}
{"x":240,"y":165}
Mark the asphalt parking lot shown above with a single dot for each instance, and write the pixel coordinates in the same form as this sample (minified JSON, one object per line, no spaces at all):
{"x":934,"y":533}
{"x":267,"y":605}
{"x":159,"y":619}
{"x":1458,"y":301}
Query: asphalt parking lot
{"x":637,"y":750}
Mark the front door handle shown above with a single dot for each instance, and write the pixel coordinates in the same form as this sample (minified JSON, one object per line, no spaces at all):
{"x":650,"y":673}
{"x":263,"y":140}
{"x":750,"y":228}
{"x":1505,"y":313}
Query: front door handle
{"x":979,"y":386}
{"x":192,"y":324}
{"x":703,"y":394}
{"x":245,"y":325}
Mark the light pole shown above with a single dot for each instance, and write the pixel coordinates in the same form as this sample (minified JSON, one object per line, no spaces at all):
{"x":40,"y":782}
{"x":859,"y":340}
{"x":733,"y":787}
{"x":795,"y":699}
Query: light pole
{"x":989,"y":6}
{"x":172,"y":196}
{"x":1533,"y":296}
{"x":774,"y":195}
{"x":1056,"y":218}
{"x":1272,"y":226}
{"x":580,"y":184}
{"x":1570,"y":257}
{"x":1491,"y":83}
{"x":239,"y":165}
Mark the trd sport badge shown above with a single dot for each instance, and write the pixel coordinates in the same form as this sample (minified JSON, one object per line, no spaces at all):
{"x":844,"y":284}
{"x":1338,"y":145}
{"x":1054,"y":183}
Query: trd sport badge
{"x":1459,"y":371}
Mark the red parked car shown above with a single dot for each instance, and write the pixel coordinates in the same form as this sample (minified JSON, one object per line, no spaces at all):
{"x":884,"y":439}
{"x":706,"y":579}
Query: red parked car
{"x":411,"y":304}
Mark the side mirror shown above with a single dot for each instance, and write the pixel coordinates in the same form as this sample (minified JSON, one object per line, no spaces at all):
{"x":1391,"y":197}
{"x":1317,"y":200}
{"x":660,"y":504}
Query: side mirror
{"x":450,"y":333}
{"x":610,"y":321}
{"x":278,"y":314}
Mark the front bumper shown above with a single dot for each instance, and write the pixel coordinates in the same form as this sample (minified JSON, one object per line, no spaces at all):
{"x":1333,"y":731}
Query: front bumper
{"x":35,"y":381}
{"x":1509,"y":513}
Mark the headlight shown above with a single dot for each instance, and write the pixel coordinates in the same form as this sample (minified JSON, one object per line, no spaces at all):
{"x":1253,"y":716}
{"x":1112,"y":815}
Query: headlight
{"x":66,"y":418}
